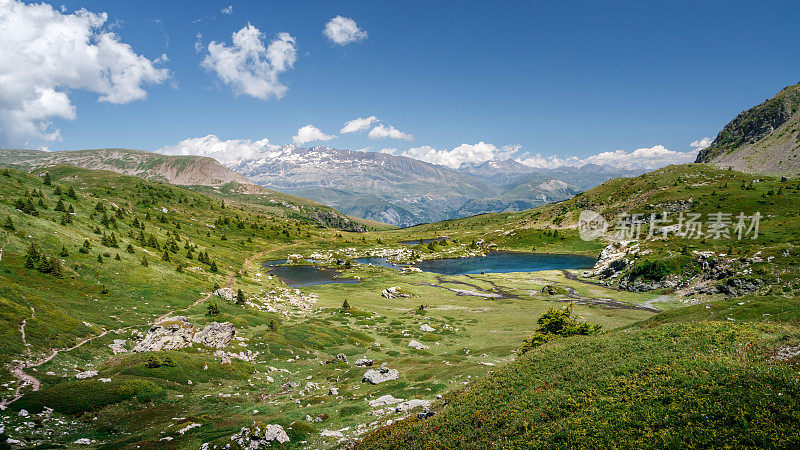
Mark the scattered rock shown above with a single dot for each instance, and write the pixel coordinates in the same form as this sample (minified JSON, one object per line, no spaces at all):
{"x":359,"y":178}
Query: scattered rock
{"x":215,"y":334}
{"x":395,"y":292}
{"x":83,"y":441}
{"x":786,"y":353}
{"x":364,"y":362}
{"x":226,"y":294}
{"x":385,"y":400}
{"x":333,"y":391}
{"x":118,"y":346}
{"x":170,"y":334}
{"x":260,"y":434}
{"x":86,"y":374}
{"x":376,"y":376}
{"x":342,"y":357}
{"x":417,"y":345}
{"x":426,"y":328}
{"x":290,"y":385}
{"x":411,"y":404}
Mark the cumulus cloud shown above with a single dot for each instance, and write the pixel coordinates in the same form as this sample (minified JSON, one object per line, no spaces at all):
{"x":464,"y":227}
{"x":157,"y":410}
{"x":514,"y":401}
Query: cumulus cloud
{"x":249,"y":66}
{"x":223,"y":151}
{"x":310,"y":133}
{"x":45,"y":54}
{"x":701,"y":143}
{"x":343,"y":30}
{"x":646,"y":158}
{"x":387,"y":131}
{"x":227,"y":10}
{"x":388,"y":151}
{"x":461,"y":155}
{"x":358,"y":125}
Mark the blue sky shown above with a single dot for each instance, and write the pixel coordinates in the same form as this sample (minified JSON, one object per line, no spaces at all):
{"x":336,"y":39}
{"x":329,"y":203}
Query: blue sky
{"x":553,"y":78}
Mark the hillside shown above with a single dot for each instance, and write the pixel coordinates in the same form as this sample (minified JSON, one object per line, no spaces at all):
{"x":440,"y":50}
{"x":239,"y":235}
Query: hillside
{"x":764,"y":139}
{"x":200,"y":173}
{"x":179,"y":170}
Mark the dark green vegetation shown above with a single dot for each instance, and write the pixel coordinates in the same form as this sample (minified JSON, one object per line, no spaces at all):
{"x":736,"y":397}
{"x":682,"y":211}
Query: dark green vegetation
{"x":697,"y":385}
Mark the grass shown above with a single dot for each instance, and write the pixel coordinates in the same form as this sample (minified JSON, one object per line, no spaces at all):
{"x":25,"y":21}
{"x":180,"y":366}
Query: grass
{"x":674,"y":385}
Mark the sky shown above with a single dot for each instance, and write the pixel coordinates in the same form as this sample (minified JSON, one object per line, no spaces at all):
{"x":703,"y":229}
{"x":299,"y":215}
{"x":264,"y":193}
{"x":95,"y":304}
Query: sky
{"x":636,"y":83}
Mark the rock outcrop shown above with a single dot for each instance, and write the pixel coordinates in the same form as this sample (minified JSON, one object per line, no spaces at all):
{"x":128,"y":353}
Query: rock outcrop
{"x":379,"y":375}
{"x":260,"y":435}
{"x":169,"y":334}
{"x":226,"y":294}
{"x":395,"y":292}
{"x":215,"y":334}
{"x":417,"y":345}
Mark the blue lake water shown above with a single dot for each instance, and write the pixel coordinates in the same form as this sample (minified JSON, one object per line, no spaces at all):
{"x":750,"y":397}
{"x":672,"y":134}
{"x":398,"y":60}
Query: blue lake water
{"x":505,"y":262}
{"x":494,"y":262}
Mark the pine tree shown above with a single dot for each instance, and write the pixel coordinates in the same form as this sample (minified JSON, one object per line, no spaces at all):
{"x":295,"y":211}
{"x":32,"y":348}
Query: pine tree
{"x":63,"y":252}
{"x":99,"y":258}
{"x":9,"y":225}
{"x":130,"y":249}
{"x":165,"y":257}
{"x":239,"y":297}
{"x":144,"y":261}
{"x":71,"y":193}
{"x":117,"y":257}
{"x":60,"y":206}
{"x":345,"y":305}
{"x":213,"y":267}
{"x":57,"y":190}
{"x":32,"y":256}
{"x":46,"y":179}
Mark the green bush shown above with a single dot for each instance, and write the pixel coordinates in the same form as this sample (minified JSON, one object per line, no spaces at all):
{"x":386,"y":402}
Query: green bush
{"x":556,"y":323}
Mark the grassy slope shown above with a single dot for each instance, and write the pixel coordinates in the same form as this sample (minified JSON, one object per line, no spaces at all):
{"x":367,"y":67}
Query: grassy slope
{"x":697,"y":385}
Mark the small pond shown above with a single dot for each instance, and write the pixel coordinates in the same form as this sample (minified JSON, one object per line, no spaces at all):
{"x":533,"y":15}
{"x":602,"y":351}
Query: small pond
{"x":424,"y":241}
{"x":305,"y":275}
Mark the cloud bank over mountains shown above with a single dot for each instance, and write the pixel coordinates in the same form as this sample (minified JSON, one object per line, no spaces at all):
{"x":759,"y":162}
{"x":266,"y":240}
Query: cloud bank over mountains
{"x":646,"y":158}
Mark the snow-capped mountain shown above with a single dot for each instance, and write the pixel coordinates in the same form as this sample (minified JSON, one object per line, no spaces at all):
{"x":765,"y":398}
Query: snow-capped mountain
{"x":396,"y":189}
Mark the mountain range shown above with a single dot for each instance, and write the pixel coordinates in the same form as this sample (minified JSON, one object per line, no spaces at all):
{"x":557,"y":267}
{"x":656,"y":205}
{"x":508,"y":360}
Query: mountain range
{"x":404,"y":191}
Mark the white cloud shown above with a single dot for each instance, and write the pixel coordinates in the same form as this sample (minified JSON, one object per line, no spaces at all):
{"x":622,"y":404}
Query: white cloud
{"x":45,"y":54}
{"x":250,"y":67}
{"x":227,"y":10}
{"x":343,"y":30}
{"x":222,"y":150}
{"x":358,"y":125}
{"x":647,"y":158}
{"x":702,"y":143}
{"x":461,"y":155}
{"x":310,"y":133}
{"x":387,"y":131}
{"x":198,"y":43}
{"x":388,"y":151}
